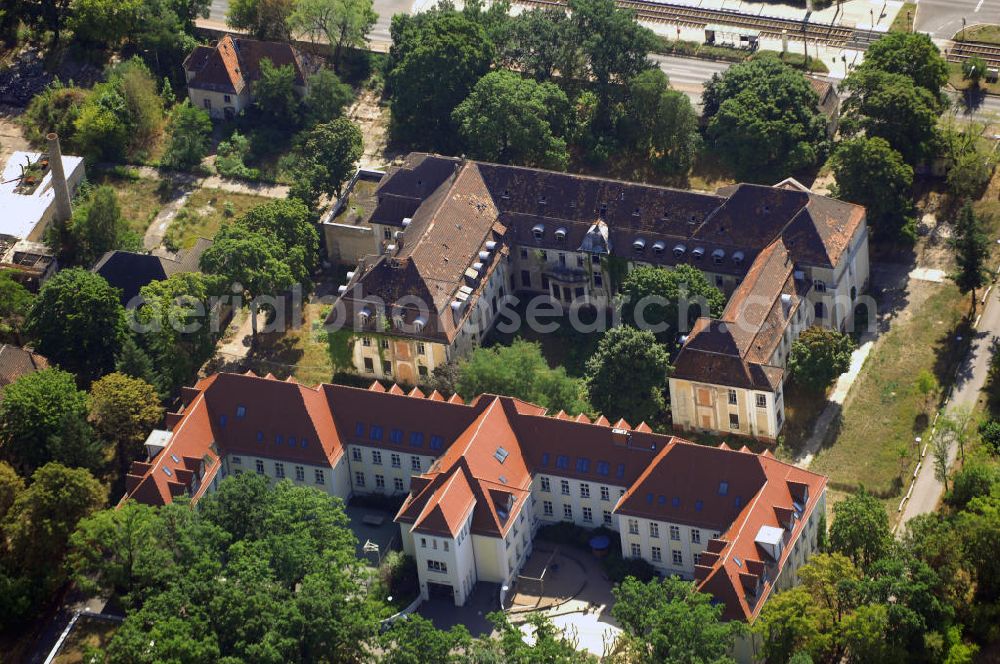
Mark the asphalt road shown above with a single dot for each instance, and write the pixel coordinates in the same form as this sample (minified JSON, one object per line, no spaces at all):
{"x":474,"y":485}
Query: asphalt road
{"x":943,"y":18}
{"x":927,"y":490}
{"x":689,"y":75}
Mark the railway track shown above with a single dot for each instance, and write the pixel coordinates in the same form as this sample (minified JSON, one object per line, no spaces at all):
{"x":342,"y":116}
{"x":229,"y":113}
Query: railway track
{"x":962,"y":51}
{"x":768,"y":26}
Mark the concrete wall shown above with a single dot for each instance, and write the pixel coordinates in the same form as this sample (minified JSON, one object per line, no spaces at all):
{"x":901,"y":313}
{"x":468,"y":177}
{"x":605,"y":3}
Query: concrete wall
{"x":347,"y":244}
{"x":219,"y":102}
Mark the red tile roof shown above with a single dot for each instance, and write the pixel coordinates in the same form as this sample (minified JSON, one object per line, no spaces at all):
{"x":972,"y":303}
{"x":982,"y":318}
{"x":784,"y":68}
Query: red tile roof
{"x":234,"y":62}
{"x":486,"y":454}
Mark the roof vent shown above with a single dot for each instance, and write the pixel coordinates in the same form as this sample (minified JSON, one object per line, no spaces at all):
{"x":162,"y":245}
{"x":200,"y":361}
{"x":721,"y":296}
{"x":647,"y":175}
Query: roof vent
{"x":390,"y":249}
{"x":698,"y":252}
{"x":501,"y":454}
{"x":718,"y":255}
{"x":341,"y":289}
{"x":350,"y":275}
{"x":478,"y":267}
{"x":538,"y":230}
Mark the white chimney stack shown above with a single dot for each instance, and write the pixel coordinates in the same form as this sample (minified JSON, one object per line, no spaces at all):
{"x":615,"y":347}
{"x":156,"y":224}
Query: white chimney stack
{"x":63,"y":208}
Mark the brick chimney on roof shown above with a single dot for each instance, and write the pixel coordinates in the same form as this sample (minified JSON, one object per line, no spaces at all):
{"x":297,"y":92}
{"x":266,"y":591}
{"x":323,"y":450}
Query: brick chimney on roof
{"x":64,"y":209}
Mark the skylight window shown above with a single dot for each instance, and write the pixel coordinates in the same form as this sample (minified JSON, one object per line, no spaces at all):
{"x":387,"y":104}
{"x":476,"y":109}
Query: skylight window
{"x":396,"y":436}
{"x":222,"y":420}
{"x":375,"y":433}
{"x":501,"y":454}
{"x":675,"y":501}
{"x":241,"y":412}
{"x":562,"y":461}
{"x":698,"y":505}
{"x":174,"y":457}
{"x":582,"y":465}
{"x":738,"y":502}
{"x":723,"y":488}
{"x":649,"y":498}
{"x":260,"y":436}
{"x":291,"y":441}
{"x":739,"y":563}
{"x":416,"y":439}
{"x":662,"y":500}
{"x":359,"y":429}
{"x":167,"y":472}
{"x":436,"y":442}
{"x":545,"y":458}
{"x":278,"y":439}
{"x":603,"y":468}
{"x":620,"y":472}
{"x":304,"y":443}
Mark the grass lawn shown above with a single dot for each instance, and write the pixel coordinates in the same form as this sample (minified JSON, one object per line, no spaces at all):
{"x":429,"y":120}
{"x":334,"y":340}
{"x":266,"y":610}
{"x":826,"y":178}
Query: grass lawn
{"x":308,"y":353}
{"x":564,"y":347}
{"x":957,"y":81}
{"x":204,"y":213}
{"x":986,"y":33}
{"x":140,"y":198}
{"x":86,"y":634}
{"x":904,"y":19}
{"x":884,"y":413}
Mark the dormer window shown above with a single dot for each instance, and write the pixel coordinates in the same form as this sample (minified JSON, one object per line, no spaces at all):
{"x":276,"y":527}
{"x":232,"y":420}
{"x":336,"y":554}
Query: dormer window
{"x":397,"y":322}
{"x":364,"y":316}
{"x":698,"y":252}
{"x":541,"y":200}
{"x":679,"y":250}
{"x":560,"y":233}
{"x":658,"y":247}
{"x":636,"y":212}
{"x":738,"y":257}
{"x":419,"y":323}
{"x":506,"y":194}
{"x":819,"y":285}
{"x":538,"y":231}
{"x":638,"y":245}
{"x":604,"y":208}
{"x":718,"y":256}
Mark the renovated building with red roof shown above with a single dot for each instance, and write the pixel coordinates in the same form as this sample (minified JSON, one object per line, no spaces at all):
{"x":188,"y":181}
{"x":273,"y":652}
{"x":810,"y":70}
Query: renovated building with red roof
{"x":478,"y":479}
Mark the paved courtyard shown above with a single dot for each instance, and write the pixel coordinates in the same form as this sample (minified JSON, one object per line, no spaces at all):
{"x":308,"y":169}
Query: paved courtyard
{"x":385,"y":535}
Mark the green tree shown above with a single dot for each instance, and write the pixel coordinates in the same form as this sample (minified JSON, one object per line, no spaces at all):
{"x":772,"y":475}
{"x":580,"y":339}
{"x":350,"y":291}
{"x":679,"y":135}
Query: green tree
{"x":627,"y":375}
{"x":263,"y":19}
{"x":123,"y":410}
{"x":941,"y":454}
{"x":763,"y":119}
{"x":11,"y":486}
{"x":989,"y":433}
{"x":252,"y":259}
{"x":541,"y":44}
{"x":514,"y":120}
{"x":344,"y":23}
{"x":871,"y":173}
{"x":520,"y":370}
{"x":969,"y":174}
{"x":979,"y":525}
{"x":668,"y":302}
{"x":78,"y":323}
{"x":971,"y":246}
{"x":54,"y":109}
{"x":436,"y":59}
{"x":818,"y":356}
{"x":291,"y":222}
{"x":670,"y":621}
{"x":860,"y":529}
{"x":663,"y":125}
{"x":911,"y":54}
{"x":275,"y":95}
{"x":973,"y":70}
{"x":326,"y":160}
{"x":550,"y":644}
{"x":790,"y":622}
{"x":326,"y":99}
{"x":15,"y":303}
{"x":176,"y":330}
{"x":44,"y":515}
{"x":103,"y":22}
{"x":892,"y":107}
{"x":35,"y":410}
{"x":190,"y":137}
{"x":231,"y":155}
{"x":97,"y":226}
{"x":98,"y":133}
{"x":973,"y":480}
{"x":615,"y":45}
{"x":416,"y":640}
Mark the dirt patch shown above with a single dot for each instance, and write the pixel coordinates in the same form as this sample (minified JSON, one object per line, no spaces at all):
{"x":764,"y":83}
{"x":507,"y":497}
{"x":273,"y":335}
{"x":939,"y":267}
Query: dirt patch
{"x":11,"y":135}
{"x":372,"y":116}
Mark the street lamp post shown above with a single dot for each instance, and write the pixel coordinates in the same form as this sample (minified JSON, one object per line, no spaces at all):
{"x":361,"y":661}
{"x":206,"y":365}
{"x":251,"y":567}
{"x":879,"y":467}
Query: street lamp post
{"x":963,"y":28}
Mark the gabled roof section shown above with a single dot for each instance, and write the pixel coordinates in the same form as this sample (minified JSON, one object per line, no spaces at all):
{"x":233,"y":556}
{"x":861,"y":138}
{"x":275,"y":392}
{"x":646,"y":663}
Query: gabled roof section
{"x":234,"y":63}
{"x":16,"y":362}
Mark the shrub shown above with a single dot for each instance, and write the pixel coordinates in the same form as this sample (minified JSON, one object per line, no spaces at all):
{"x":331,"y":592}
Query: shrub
{"x":54,"y":109}
{"x":398,"y":575}
{"x":989,"y":433}
{"x":230,"y":158}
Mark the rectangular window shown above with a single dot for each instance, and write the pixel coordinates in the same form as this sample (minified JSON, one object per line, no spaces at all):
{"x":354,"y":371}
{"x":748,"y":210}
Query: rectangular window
{"x":633,"y":527}
{"x":435,"y":566}
{"x":636,"y":550}
{"x":584,"y":490}
{"x":588,"y":515}
{"x":300,"y":474}
{"x":605,"y":494}
{"x":366,"y":342}
{"x":380,"y":481}
{"x":387,"y":367}
{"x":423,"y":542}
{"x":356,"y":453}
{"x":369,"y":365}
{"x":376,"y":432}
{"x":421,"y":348}
{"x":696,"y":536}
{"x":415,"y":463}
{"x":437,"y":442}
{"x":545,"y":485}
{"x":562,"y":461}
{"x":657,"y":555}
{"x":568,"y":512}
{"x":603,"y":468}
{"x":734,"y":421}
{"x":396,"y":436}
{"x":207,"y":103}
{"x":397,"y":484}
{"x":260,"y":467}
{"x":564,"y":487}
{"x":675,"y":533}
{"x":238,"y":461}
{"x":319,"y":477}
{"x":376,"y":454}
{"x":525,"y":279}
{"x":394,"y":458}
{"x":582,"y":465}
{"x":598,"y":281}
{"x":678,"y":558}
{"x":446,"y":545}
{"x":359,"y":479}
{"x":422,"y":370}
{"x":732,"y":397}
{"x":547,"y":507}
{"x":241,"y":412}
{"x":762,"y":401}
{"x":279,"y":470}
{"x":383,"y":343}
{"x":654,"y":529}
{"x":607,"y":518}
{"x":226,"y":98}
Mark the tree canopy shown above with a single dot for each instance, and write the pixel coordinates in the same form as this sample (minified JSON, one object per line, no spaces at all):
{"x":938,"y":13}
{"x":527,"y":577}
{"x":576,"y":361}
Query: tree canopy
{"x":78,"y":323}
{"x":344,"y":23}
{"x":668,"y":302}
{"x":263,"y":19}
{"x":123,"y":410}
{"x":971,"y":246}
{"x":661,"y":123}
{"x":520,"y":370}
{"x":190,"y":136}
{"x":818,"y":356}
{"x":911,"y":54}
{"x":871,"y":173}
{"x":326,"y":160}
{"x":860,"y":529}
{"x":514,"y":120}
{"x":15,"y":303}
{"x":627,"y":375}
{"x":763,"y":119}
